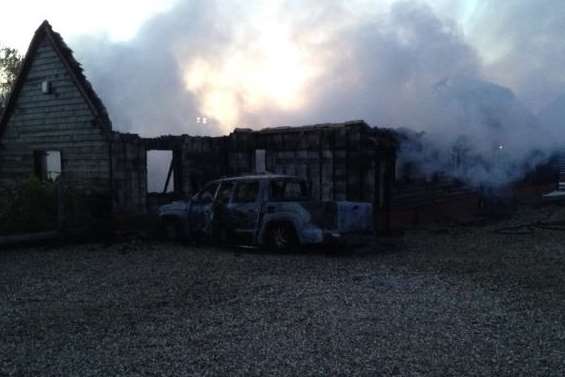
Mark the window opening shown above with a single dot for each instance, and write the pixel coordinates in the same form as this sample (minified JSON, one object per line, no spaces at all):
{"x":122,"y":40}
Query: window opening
{"x":160,"y":172}
{"x":47,"y":165}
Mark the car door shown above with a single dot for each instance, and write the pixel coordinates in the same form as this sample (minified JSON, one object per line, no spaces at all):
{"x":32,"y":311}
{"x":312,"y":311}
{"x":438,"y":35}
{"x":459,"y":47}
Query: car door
{"x":201,"y":208}
{"x":219,"y":218}
{"x":243,"y":211}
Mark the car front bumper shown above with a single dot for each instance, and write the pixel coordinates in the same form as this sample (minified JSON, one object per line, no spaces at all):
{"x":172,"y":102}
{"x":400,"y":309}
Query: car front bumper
{"x":312,"y":235}
{"x":350,"y":239}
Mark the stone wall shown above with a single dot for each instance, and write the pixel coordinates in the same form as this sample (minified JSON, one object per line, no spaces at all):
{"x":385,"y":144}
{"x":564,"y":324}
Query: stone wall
{"x":346,"y":161}
{"x":129,"y":173}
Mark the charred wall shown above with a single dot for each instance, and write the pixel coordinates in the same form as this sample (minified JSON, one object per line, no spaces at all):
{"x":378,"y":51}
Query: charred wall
{"x":346,"y":161}
{"x":129,"y":173}
{"x":341,"y":161}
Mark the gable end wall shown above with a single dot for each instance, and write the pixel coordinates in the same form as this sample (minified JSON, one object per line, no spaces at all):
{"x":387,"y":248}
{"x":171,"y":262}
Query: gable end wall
{"x":61,"y":120}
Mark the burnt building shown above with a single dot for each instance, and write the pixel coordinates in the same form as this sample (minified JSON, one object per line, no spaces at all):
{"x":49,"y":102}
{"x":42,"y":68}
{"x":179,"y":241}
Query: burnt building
{"x":53,"y":117}
{"x":344,"y":161}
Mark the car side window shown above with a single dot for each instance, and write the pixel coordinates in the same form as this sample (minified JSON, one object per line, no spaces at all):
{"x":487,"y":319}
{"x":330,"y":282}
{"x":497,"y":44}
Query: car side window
{"x":246,"y":192}
{"x":225,"y":193}
{"x":207,"y":194}
{"x":288,"y":190}
{"x":294,"y":190}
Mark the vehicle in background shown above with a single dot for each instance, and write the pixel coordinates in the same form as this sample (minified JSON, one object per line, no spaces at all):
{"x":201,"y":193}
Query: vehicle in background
{"x":275,"y":211}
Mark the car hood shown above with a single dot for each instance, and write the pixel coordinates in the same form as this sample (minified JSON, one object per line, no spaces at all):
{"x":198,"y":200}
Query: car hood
{"x":176,"y":206}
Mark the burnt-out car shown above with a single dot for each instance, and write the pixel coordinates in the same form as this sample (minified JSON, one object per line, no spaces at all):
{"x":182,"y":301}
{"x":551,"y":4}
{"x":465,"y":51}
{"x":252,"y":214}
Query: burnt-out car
{"x":274,"y":211}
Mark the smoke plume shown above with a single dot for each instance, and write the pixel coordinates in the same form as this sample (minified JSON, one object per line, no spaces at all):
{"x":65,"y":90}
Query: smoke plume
{"x":206,"y":67}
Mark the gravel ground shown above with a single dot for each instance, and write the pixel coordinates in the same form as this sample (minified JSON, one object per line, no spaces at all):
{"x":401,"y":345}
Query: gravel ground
{"x":455,"y":301}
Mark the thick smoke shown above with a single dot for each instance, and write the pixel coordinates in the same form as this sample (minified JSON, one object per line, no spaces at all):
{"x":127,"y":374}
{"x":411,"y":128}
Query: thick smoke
{"x":524,"y":47}
{"x":241,"y":64}
{"x":141,"y":81}
{"x":484,"y":135}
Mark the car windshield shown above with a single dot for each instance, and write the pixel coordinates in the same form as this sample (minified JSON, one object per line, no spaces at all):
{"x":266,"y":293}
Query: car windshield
{"x":225,"y":192}
{"x":289,"y":189}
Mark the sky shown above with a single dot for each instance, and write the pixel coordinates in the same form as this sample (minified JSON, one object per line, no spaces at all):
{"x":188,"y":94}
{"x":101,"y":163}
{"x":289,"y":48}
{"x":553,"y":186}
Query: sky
{"x":121,"y":19}
{"x":118,"y":19}
{"x":474,"y":70}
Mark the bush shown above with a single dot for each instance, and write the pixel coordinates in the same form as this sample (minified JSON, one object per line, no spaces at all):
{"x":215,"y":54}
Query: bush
{"x":30,"y":207}
{"x":87,"y":213}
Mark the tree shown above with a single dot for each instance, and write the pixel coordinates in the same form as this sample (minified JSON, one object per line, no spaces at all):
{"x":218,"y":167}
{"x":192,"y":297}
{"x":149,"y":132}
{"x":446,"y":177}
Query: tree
{"x":10,"y":62}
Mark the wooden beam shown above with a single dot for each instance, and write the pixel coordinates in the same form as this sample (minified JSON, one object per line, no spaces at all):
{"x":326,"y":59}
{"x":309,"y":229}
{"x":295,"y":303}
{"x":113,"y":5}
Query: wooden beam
{"x":171,"y":168}
{"x":6,"y":240}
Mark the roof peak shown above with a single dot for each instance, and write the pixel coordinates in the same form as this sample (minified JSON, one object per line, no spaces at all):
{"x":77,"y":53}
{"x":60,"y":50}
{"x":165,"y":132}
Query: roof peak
{"x":65,"y":54}
{"x":45,"y":23}
{"x":44,"y":27}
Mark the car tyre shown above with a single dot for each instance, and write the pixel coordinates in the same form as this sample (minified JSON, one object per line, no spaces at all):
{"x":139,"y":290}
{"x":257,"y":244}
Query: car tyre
{"x":282,"y":237}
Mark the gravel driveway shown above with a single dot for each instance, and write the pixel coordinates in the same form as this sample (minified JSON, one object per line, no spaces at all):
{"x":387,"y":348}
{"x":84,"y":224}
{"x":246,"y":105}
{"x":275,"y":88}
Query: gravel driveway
{"x":458,"y":301}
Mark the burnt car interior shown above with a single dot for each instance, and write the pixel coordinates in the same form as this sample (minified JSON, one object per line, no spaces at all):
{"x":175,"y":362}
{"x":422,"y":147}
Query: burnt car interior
{"x":246,"y":192}
{"x":287,"y":189}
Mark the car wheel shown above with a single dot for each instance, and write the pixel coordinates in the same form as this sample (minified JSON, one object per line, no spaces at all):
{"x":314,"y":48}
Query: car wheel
{"x":282,"y":236}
